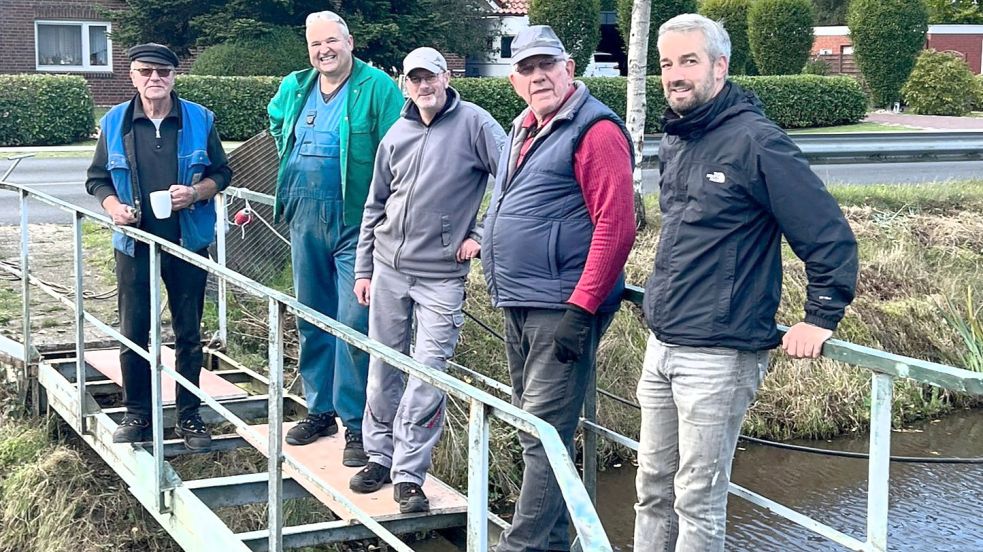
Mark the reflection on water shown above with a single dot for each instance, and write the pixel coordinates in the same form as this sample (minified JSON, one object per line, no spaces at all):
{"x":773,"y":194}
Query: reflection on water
{"x":932,"y":506}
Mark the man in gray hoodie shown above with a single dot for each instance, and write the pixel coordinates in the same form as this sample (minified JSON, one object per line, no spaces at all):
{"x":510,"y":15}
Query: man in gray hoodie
{"x":419,"y":233}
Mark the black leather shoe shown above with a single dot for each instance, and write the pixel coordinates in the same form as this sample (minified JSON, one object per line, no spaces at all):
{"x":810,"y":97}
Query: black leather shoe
{"x":311,"y":428}
{"x":195,"y":433}
{"x":411,"y":498}
{"x":354,"y":455}
{"x":133,"y":429}
{"x":369,"y":479}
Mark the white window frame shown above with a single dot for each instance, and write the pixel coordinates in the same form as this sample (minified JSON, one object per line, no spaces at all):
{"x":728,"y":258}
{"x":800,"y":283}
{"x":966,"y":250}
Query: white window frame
{"x":86,"y":52}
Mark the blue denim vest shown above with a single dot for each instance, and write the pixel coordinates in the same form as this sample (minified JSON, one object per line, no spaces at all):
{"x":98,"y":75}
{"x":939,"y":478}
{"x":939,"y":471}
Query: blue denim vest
{"x":198,"y":221}
{"x":538,"y":230}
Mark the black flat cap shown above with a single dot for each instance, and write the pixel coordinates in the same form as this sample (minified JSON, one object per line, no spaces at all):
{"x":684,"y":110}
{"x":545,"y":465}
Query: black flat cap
{"x":153,"y":53}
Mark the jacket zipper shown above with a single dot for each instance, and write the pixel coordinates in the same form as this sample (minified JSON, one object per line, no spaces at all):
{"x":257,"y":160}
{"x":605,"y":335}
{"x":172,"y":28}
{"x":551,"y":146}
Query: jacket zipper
{"x":409,"y":197}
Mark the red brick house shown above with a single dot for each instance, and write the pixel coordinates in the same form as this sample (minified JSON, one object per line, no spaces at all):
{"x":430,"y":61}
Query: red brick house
{"x":65,"y":37}
{"x":833,"y":45}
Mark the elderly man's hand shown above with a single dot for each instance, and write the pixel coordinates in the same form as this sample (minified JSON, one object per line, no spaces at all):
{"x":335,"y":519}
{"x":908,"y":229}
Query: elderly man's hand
{"x":469,"y":249}
{"x":122,"y":214}
{"x":805,"y":340}
{"x":181,"y":196}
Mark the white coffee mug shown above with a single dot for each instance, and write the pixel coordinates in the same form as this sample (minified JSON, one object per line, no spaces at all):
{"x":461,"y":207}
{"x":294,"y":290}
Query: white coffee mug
{"x":160,"y":202}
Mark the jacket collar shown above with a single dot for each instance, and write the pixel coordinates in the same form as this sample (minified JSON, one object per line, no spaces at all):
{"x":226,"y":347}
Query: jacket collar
{"x":412,"y":112}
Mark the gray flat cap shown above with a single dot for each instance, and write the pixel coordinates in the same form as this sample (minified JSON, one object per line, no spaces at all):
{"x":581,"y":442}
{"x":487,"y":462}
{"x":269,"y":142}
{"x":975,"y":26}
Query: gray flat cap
{"x":536,"y":40}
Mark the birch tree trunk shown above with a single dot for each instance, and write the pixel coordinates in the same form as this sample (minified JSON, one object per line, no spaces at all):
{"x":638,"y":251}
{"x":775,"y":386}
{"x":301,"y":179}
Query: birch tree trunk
{"x":635,"y":119}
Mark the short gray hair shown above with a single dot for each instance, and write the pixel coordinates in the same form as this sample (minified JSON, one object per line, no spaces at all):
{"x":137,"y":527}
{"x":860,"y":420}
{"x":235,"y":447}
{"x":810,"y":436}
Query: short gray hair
{"x":328,"y":16}
{"x":717,"y":39}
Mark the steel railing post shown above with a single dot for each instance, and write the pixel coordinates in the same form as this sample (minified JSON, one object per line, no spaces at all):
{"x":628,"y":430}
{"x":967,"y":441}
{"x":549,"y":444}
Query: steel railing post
{"x":222,"y":212}
{"x":157,"y":401}
{"x":25,"y":281}
{"x":477,"y":478}
{"x":79,"y":323}
{"x":275,"y":457}
{"x":879,"y":465}
{"x":590,"y":437}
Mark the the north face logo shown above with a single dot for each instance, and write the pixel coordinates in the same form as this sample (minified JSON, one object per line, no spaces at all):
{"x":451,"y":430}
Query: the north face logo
{"x":717,"y":177}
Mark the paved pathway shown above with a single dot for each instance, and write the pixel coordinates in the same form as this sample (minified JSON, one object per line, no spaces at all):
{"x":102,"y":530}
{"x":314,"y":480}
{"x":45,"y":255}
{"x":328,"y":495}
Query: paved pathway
{"x":926,"y":122}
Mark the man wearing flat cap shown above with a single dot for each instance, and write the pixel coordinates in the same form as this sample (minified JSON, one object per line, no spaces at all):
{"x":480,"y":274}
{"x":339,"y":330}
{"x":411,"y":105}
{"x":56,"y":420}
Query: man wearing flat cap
{"x":159,"y":142}
{"x":327,"y":122}
{"x":419,"y":235}
{"x":558,"y":232}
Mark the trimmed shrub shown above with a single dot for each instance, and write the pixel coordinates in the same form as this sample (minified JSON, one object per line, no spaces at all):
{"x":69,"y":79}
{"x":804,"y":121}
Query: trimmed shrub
{"x":239,"y":103}
{"x":792,"y":101}
{"x":978,"y":93}
{"x":816,"y":66}
{"x":780,"y":34}
{"x":940,"y":84}
{"x":575,"y":23}
{"x":887,"y":36}
{"x":44,"y":110}
{"x":661,"y":11}
{"x":274,"y":54}
{"x":733,"y":15}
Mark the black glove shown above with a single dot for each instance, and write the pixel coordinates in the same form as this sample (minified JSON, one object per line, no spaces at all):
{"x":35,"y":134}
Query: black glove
{"x":570,"y":338}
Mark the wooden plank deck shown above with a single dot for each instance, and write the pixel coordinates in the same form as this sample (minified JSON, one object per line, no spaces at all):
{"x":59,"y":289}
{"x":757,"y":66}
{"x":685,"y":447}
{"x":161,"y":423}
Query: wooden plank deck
{"x":323,"y":457}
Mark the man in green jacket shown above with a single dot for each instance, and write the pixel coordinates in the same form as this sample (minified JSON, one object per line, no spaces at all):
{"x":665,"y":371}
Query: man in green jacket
{"x":327,"y":122}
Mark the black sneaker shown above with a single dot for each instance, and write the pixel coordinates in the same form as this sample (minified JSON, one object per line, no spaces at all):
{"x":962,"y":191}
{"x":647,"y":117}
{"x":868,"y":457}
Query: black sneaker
{"x":354,"y":456}
{"x":411,"y":498}
{"x":195,"y":433}
{"x":369,"y":479}
{"x":311,"y":428}
{"x":133,"y":429}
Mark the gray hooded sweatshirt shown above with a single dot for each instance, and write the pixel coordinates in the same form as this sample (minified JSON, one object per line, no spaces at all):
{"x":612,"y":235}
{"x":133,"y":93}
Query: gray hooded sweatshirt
{"x":426,"y":189}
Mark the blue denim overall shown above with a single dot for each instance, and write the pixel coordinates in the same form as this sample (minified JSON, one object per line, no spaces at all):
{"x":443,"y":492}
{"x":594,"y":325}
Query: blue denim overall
{"x":323,"y":255}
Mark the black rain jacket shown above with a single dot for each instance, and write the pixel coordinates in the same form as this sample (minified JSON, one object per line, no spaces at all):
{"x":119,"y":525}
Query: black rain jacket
{"x":732,"y":184}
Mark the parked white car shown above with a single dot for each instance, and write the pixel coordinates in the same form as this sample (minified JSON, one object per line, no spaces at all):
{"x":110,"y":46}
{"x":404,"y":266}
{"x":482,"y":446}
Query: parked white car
{"x":602,"y":64}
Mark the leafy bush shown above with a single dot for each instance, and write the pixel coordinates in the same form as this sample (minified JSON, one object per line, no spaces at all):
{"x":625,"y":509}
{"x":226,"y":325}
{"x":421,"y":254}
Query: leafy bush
{"x":575,"y":23}
{"x":274,"y":54}
{"x":816,"y":66}
{"x":780,"y":34}
{"x":733,"y":15}
{"x":940,"y":84}
{"x":887,"y":36}
{"x":792,"y":101}
{"x":978,"y":93}
{"x":44,"y":110}
{"x":661,"y":11}
{"x":239,"y":103}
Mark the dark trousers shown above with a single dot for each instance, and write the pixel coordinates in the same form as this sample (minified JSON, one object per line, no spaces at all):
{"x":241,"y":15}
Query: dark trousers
{"x":553,"y":391}
{"x":185,"y":284}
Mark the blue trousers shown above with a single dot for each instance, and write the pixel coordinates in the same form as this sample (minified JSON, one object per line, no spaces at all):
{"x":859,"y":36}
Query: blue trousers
{"x":323,"y":255}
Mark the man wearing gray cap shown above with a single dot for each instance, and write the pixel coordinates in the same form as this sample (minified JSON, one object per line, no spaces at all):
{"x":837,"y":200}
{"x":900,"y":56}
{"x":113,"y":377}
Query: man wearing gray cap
{"x":557,"y":235}
{"x":419,"y":234}
{"x":157,"y":142}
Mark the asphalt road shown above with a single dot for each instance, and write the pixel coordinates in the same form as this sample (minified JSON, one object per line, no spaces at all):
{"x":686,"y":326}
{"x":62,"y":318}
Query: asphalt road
{"x":64,"y":178}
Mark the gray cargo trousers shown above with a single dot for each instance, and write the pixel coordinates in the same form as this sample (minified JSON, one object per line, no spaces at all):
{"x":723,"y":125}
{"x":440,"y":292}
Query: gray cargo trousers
{"x":404,"y":416}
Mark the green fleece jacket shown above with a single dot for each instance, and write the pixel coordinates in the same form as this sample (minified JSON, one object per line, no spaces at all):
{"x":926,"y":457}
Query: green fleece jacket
{"x":374,"y":104}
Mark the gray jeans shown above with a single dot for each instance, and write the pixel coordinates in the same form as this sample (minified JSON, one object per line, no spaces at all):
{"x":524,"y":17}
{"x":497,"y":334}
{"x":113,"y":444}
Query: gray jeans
{"x":693,"y":400}
{"x":553,"y":391}
{"x":403,"y":424}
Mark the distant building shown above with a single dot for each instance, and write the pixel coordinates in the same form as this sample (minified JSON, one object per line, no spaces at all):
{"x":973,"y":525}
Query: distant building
{"x":833,"y":45}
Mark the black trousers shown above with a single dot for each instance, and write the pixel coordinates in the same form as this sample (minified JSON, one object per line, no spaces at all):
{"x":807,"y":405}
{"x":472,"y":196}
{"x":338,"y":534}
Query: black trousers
{"x":185,"y":284}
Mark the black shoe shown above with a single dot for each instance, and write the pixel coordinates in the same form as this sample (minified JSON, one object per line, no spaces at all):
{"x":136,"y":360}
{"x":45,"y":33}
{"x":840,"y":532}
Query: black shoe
{"x":369,"y":479}
{"x":354,"y":456}
{"x":311,"y":428}
{"x":133,"y":429}
{"x":411,"y":498}
{"x":195,"y":433}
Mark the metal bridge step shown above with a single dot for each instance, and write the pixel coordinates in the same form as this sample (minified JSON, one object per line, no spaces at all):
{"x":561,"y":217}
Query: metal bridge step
{"x":323,"y":457}
{"x":106,"y":361}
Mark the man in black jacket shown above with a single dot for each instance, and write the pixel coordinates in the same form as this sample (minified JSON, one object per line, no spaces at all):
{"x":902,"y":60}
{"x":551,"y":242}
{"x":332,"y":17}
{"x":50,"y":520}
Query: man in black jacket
{"x":732,"y":185}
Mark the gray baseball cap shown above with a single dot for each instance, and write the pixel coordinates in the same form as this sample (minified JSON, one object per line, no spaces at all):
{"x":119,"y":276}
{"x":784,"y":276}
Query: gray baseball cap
{"x":536,"y":40}
{"x":424,"y":58}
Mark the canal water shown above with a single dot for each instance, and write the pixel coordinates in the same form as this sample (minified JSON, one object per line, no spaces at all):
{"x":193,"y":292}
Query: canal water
{"x":932,"y":506}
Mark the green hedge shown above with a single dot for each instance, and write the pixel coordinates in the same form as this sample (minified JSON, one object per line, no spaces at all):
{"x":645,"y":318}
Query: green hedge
{"x":276,"y":53}
{"x":239,"y":103}
{"x":793,"y":101}
{"x":940,"y":84}
{"x":44,"y":110}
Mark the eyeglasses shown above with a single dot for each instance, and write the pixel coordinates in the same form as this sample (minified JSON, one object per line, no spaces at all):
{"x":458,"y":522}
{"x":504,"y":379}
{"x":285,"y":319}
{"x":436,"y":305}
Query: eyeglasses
{"x":545,"y":65}
{"x":163,"y":72}
{"x":429,"y":79}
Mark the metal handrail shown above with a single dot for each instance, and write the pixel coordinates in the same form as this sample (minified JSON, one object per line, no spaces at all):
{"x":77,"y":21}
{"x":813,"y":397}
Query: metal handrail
{"x":483,"y":404}
{"x":872,"y":147}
